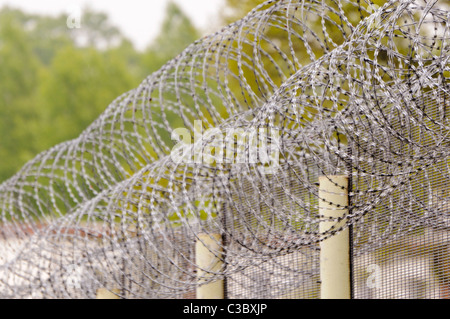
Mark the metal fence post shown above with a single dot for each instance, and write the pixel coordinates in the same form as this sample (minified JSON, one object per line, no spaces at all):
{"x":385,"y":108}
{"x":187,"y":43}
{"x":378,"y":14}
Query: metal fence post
{"x":335,"y":267}
{"x":208,"y":255}
{"x":103,"y":293}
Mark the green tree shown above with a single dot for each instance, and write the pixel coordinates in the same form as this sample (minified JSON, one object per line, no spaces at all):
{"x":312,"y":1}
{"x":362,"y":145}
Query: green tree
{"x":55,"y":80}
{"x":78,"y":86}
{"x":96,"y":31}
{"x":177,"y":32}
{"x":18,"y":77}
{"x":48,"y":34}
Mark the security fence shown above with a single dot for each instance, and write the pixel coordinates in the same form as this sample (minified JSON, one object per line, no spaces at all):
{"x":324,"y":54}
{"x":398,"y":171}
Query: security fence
{"x":300,"y":152}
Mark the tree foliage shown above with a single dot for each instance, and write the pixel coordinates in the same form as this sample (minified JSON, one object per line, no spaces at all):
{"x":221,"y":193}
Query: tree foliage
{"x":55,"y":80}
{"x":177,"y":32}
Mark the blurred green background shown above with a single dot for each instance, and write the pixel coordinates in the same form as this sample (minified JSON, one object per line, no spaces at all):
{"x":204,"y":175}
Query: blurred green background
{"x":54,"y":80}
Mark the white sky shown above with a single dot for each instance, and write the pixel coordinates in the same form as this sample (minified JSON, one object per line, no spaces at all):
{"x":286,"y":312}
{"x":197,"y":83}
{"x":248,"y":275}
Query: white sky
{"x":139,"y":20}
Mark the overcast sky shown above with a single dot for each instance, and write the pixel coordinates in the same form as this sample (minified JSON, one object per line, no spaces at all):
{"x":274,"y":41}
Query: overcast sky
{"x":138,"y":19}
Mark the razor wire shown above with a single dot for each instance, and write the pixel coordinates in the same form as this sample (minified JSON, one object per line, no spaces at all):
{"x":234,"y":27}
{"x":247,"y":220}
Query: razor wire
{"x":230,"y":138}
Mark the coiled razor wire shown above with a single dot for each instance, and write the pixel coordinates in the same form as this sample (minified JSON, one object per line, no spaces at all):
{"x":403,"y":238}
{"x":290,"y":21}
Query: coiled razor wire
{"x":230,"y":138}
